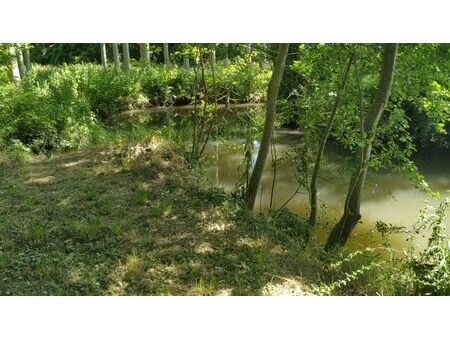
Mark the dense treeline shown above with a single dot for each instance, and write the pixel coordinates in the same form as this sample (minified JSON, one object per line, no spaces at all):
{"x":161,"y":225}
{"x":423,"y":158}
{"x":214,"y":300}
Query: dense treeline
{"x":60,"y":53}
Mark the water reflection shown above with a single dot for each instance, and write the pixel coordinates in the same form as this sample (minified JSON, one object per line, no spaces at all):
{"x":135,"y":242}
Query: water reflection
{"x":387,"y":197}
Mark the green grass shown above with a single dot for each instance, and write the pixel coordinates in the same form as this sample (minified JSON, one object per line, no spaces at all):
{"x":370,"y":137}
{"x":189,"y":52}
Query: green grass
{"x":125,"y":220}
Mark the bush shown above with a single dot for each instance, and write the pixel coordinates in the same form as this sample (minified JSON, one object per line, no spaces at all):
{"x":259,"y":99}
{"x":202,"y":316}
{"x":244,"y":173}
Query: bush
{"x":286,"y":226}
{"x":432,"y":266}
{"x":44,"y":116}
{"x":5,"y":75}
{"x":109,"y":91}
{"x":426,"y":272}
{"x":243,"y":81}
{"x":58,"y":107}
{"x":167,"y":86}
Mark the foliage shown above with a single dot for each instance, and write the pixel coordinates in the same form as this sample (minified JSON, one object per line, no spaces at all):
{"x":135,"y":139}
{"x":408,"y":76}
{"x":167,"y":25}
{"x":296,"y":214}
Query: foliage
{"x":415,"y":117}
{"x":5,"y":75}
{"x":432,"y":266}
{"x":59,"y":107}
{"x":166,"y":86}
{"x":425,"y":272}
{"x":423,"y":88}
{"x":242,"y":82}
{"x":419,"y":98}
{"x":284,"y":226}
{"x":181,"y":236}
{"x":45,"y":116}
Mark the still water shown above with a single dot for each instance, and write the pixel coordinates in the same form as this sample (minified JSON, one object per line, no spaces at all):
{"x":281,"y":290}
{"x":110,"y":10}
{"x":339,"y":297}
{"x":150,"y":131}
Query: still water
{"x":388,"y":197}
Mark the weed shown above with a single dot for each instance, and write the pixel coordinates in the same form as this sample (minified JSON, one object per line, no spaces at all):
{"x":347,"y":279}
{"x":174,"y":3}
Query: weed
{"x":141,"y":197}
{"x":36,"y":233}
{"x":205,"y":288}
{"x":116,"y":229}
{"x":85,"y":229}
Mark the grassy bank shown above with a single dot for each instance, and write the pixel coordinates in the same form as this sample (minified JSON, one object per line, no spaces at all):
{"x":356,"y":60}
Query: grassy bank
{"x":132,"y":219}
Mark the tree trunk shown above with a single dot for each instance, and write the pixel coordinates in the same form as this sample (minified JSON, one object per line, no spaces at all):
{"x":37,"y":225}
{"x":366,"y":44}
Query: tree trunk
{"x":249,"y":52}
{"x":264,"y":56}
{"x":116,"y":55}
{"x":21,"y":63}
{"x":226,"y":62}
{"x":272,"y":94}
{"x":145,"y":54}
{"x":213,"y":55}
{"x":126,"y":57}
{"x":342,"y":230}
{"x":103,"y":55}
{"x":27,"y":59}
{"x":323,"y":142}
{"x":186,"y":63}
{"x":14,"y":65}
{"x":166,"y":54}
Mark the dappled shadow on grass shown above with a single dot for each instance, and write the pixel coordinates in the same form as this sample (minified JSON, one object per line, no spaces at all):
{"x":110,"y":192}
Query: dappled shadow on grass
{"x":119,"y":224}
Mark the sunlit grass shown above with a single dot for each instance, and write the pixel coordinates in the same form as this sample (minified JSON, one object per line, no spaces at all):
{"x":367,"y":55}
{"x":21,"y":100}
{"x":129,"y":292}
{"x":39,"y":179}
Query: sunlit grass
{"x":132,"y":220}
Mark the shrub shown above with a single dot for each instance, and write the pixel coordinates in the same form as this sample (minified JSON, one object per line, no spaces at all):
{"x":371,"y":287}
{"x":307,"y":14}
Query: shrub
{"x":243,"y":81}
{"x":109,"y":91}
{"x":5,"y":75}
{"x":44,"y":116}
{"x":426,"y":272}
{"x":59,"y":107}
{"x":432,"y":266}
{"x":286,"y":226}
{"x":166,"y":86}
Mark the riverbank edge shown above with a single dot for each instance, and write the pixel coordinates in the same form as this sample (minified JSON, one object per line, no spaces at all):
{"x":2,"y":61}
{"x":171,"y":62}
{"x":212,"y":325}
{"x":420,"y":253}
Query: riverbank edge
{"x":261,"y":254}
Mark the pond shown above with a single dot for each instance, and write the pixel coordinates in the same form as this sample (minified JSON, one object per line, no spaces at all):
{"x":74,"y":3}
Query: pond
{"x":388,"y":197}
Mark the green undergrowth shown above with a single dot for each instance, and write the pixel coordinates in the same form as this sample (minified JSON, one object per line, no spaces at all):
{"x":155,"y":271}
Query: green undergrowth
{"x":61,"y":107}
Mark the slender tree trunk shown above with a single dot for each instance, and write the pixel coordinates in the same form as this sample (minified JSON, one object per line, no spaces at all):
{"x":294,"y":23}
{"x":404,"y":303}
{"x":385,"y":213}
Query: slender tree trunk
{"x":103,"y":55}
{"x":57,"y":52}
{"x":342,"y":230}
{"x":226,"y":62}
{"x":144,"y":49}
{"x":126,"y":57}
{"x":217,"y":163}
{"x":116,"y":55}
{"x":323,"y":142}
{"x":27,"y":59}
{"x":21,"y":63}
{"x":213,"y":55}
{"x":166,"y":54}
{"x":14,"y":64}
{"x":186,"y":64}
{"x":274,"y":177}
{"x":263,"y":62}
{"x":272,"y":94}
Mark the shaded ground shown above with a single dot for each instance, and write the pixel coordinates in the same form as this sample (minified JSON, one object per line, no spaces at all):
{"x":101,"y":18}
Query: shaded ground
{"x":134,"y":221}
